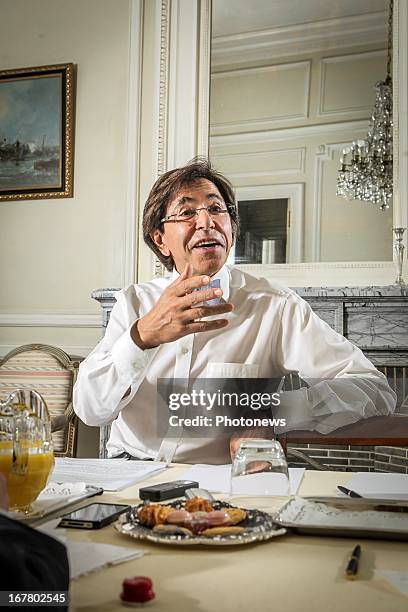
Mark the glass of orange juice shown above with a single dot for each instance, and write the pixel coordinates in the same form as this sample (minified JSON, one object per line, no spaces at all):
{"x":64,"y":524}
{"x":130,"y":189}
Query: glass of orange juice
{"x":26,"y":456}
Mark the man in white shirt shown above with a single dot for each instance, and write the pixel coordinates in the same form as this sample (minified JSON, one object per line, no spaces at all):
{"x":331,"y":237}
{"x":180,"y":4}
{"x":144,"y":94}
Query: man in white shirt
{"x":167,"y":329}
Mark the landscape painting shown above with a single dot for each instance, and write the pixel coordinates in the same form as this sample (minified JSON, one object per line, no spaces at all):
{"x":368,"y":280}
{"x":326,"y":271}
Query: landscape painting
{"x":36,"y":132}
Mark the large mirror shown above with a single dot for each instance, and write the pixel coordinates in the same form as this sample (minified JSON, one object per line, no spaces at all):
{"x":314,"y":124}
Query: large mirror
{"x":292,"y":85}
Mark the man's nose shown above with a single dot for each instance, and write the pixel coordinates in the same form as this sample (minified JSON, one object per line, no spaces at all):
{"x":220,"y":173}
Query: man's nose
{"x":204,"y":220}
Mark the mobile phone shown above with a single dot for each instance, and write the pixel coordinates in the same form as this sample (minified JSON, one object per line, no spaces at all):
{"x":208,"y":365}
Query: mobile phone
{"x":167,"y":490}
{"x":93,"y":516}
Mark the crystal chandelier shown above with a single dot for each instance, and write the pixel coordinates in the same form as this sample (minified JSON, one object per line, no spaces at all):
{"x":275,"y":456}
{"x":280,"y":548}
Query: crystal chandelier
{"x":366,"y":166}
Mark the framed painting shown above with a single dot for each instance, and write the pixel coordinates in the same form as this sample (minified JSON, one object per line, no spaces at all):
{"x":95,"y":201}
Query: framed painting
{"x":36,"y":132}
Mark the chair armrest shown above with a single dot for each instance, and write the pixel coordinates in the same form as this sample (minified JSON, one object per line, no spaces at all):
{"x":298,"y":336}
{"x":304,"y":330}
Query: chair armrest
{"x":58,"y":423}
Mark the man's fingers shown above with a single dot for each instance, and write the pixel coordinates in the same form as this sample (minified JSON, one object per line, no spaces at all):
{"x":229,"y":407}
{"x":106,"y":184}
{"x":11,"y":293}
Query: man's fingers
{"x":205,"y":326}
{"x":187,"y":285}
{"x":207,"y":311}
{"x":198,"y":297}
{"x":186,"y":273}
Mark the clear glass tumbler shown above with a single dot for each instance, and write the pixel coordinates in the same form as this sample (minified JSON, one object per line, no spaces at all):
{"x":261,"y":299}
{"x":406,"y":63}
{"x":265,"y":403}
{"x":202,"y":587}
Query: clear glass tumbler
{"x":260,"y":468}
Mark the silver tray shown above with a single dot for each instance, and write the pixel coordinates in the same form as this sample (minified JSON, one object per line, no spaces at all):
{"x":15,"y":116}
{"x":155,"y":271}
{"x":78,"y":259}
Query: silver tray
{"x":351,"y":509}
{"x":258,"y":525}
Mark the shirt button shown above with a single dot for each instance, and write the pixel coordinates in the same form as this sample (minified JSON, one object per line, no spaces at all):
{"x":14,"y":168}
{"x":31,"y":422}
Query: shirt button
{"x":139,"y":363}
{"x":184,"y":350}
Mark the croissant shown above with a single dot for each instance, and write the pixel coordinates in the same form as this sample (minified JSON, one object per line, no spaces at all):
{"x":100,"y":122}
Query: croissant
{"x":198,"y":504}
{"x":153,"y":514}
{"x":236,"y":515}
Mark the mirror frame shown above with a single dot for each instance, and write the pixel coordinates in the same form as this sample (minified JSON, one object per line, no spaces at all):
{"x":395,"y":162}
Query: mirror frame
{"x":177,"y":146}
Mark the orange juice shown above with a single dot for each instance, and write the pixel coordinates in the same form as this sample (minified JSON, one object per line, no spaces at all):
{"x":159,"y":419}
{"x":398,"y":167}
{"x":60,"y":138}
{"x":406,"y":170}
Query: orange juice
{"x":24,"y":488}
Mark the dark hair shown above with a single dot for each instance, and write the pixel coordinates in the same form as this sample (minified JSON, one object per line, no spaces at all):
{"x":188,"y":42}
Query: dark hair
{"x":166,"y":187}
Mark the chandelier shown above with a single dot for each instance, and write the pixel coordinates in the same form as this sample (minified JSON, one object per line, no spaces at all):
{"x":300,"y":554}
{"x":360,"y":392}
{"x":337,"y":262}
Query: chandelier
{"x":366,"y":166}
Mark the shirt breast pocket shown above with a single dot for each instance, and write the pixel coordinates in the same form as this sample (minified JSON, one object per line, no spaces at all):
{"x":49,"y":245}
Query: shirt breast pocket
{"x":232,"y":370}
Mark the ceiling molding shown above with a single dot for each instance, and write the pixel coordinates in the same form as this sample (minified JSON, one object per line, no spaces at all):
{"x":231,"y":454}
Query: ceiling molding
{"x":325,"y":35}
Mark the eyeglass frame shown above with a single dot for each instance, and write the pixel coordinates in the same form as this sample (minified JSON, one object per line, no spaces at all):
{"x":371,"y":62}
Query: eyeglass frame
{"x":168,"y":218}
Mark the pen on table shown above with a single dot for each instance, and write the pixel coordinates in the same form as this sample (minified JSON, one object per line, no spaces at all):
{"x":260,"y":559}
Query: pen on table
{"x":352,"y":565}
{"x":348,"y":492}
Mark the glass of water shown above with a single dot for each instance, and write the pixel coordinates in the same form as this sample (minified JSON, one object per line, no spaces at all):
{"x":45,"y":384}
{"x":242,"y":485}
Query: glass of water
{"x":260,"y":468}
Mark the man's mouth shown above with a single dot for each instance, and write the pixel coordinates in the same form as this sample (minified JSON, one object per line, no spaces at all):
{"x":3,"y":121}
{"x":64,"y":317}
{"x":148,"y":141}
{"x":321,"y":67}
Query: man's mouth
{"x":207,"y":244}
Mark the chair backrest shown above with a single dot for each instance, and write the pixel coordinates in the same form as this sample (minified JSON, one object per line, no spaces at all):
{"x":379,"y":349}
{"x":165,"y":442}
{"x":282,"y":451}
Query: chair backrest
{"x":397,"y":376}
{"x":51,"y":372}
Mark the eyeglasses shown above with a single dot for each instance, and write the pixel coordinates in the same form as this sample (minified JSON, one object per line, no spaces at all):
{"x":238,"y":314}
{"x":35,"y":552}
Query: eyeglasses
{"x":190,"y":215}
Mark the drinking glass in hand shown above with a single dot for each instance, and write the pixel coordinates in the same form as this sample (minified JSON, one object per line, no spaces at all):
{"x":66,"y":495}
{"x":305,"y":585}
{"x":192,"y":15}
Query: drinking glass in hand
{"x":260,"y":468}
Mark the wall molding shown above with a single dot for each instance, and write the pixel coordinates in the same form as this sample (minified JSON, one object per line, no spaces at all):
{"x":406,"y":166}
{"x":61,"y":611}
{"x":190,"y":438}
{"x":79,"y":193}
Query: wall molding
{"x":400,"y":115}
{"x":326,"y":35}
{"x":324,"y":153}
{"x":299,"y":168}
{"x":326,"y":61}
{"x":285,"y":134}
{"x":328,"y":274}
{"x":133,"y":142}
{"x":50,"y":320}
{"x":269,"y":120}
{"x":181,"y":68}
{"x":77,"y":350}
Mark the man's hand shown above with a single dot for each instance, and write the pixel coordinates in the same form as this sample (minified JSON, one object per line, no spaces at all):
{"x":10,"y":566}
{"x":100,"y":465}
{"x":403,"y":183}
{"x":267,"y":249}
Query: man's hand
{"x":178,"y":312}
{"x":4,"y":502}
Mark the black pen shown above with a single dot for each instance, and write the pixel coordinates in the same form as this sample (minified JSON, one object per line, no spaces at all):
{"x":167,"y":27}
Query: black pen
{"x":352,"y":565}
{"x":348,"y":492}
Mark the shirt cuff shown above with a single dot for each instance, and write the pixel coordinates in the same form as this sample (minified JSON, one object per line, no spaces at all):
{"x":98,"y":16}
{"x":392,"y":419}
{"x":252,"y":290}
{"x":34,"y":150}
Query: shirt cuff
{"x":131,"y":361}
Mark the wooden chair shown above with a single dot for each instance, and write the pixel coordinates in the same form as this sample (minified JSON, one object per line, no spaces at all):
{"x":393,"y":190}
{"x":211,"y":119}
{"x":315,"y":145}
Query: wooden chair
{"x":52,"y":373}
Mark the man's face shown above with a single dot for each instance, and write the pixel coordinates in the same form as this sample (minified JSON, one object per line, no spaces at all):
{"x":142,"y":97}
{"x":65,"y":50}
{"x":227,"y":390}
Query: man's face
{"x":184,"y":241}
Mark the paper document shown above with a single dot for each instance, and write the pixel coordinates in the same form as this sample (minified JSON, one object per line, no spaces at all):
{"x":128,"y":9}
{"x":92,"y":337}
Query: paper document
{"x":302,"y":512}
{"x":85,"y":557}
{"x":216,"y":478}
{"x":399,"y":580}
{"x":379,"y":485}
{"x":110,"y":474}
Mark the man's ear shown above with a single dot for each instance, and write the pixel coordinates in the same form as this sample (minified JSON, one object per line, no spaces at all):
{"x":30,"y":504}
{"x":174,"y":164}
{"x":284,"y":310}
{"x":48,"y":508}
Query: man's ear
{"x":159,"y":241}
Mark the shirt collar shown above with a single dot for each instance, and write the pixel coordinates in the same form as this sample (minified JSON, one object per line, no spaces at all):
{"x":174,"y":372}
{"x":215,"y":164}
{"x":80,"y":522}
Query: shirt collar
{"x":223,"y":275}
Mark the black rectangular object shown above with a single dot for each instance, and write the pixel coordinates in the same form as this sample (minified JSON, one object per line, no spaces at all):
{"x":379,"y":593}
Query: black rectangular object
{"x":166,"y":490}
{"x":93,"y":516}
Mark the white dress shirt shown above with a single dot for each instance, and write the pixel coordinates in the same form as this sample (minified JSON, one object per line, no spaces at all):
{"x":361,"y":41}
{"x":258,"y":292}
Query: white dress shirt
{"x":271,"y":332}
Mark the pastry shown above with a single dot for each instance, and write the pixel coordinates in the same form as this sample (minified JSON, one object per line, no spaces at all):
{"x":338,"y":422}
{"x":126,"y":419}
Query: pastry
{"x":222,"y":531}
{"x":217,"y":518}
{"x":177,"y":517}
{"x":198,"y":504}
{"x":172,"y":530}
{"x":236,"y":515}
{"x":197,"y":522}
{"x":153,"y":514}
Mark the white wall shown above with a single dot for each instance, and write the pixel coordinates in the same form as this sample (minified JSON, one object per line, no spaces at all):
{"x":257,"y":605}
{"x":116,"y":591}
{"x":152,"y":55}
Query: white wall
{"x":53,"y":253}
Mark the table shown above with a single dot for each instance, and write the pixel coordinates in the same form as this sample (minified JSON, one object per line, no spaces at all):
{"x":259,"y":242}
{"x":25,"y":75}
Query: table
{"x":292,"y":573}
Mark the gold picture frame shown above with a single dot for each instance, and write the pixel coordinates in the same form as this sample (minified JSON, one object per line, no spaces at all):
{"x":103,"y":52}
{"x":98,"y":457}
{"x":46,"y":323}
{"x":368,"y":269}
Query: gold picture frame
{"x":37,"y":132}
